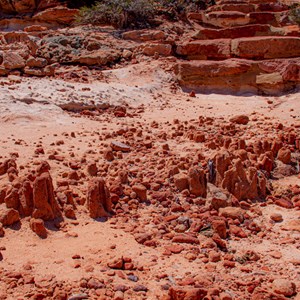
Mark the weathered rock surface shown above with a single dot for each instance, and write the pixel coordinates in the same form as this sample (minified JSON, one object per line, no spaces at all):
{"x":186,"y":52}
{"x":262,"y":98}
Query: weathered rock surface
{"x":98,"y":199}
{"x":45,"y":206}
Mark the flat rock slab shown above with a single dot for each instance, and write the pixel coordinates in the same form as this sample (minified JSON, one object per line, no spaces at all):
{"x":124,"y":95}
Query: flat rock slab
{"x":212,"y":49}
{"x":119,"y":146}
{"x":266,"y":47}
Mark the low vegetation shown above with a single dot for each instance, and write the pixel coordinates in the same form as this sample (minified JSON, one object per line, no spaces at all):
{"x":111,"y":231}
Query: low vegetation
{"x":136,"y":13}
{"x":295,"y":13}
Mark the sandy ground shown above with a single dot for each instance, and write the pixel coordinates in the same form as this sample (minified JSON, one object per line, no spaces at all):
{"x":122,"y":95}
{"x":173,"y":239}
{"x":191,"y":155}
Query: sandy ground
{"x":30,"y":115}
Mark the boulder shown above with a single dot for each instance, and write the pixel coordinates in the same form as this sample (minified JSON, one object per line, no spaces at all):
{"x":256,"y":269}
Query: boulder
{"x":244,"y":183}
{"x":197,"y":182}
{"x":227,"y":18}
{"x":181,"y":181}
{"x":210,"y":49}
{"x":237,"y":32}
{"x":8,"y":216}
{"x":144,"y":35}
{"x":263,"y":18}
{"x":230,"y":75}
{"x":36,"y":62}
{"x":266,"y":47}
{"x":59,"y":14}
{"x":98,"y":199}
{"x":240,"y":119}
{"x":97,"y":58}
{"x":240,"y":7}
{"x":12,"y":61}
{"x":284,"y":155}
{"x":234,"y":213}
{"x":26,"y":198}
{"x":45,"y":205}
{"x":161,"y":49}
{"x":141,"y":191}
{"x":38,"y":227}
{"x":222,"y":163}
{"x":119,"y":146}
{"x":186,"y":293}
{"x":219,"y":227}
{"x":284,"y":287}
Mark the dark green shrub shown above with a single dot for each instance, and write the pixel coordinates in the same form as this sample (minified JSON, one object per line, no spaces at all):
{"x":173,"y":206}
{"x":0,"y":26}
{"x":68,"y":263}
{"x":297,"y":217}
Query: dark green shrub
{"x":119,"y":13}
{"x":185,"y":5}
{"x":137,"y":13}
{"x":295,"y":13}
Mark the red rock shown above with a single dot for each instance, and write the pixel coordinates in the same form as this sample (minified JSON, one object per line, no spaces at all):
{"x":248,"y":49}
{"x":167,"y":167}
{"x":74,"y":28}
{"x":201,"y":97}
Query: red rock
{"x":284,"y":203}
{"x":276,"y":217}
{"x":183,"y":238}
{"x":240,"y":119}
{"x":2,"y":232}
{"x":218,"y":76}
{"x":293,"y":225}
{"x":141,"y":238}
{"x":284,"y":287}
{"x":197,"y":182}
{"x":100,"y":57}
{"x":45,"y":206}
{"x":98,"y":199}
{"x":232,"y":213}
{"x":263,"y":18}
{"x":225,"y":296}
{"x":236,"y":32}
{"x":219,"y":198}
{"x":108,"y":154}
{"x":8,"y":216}
{"x":141,"y":191}
{"x":273,"y":7}
{"x":284,"y":155}
{"x":35,"y":28}
{"x":244,"y":183}
{"x":222,"y":163}
{"x":144,"y":35}
{"x":118,"y":146}
{"x":210,"y":49}
{"x":69,"y":212}
{"x":214,"y":256}
{"x":229,"y":264}
{"x":26,"y":198}
{"x":92,"y":169}
{"x":227,"y":18}
{"x":118,"y":263}
{"x":175,"y":248}
{"x":38,"y":226}
{"x":12,"y":199}
{"x":12,"y":60}
{"x":36,"y":62}
{"x":237,"y":231}
{"x":266,"y":164}
{"x":59,"y":14}
{"x":219,"y":226}
{"x":266,"y":47}
{"x":192,"y":94}
{"x":43,"y":168}
{"x":161,"y":49}
{"x":181,"y":181}
{"x":184,"y":293}
{"x":241,"y":7}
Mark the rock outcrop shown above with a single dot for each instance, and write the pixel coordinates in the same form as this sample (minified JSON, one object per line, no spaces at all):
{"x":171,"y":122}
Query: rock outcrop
{"x":229,"y":53}
{"x":197,"y":182}
{"x":45,"y":205}
{"x":98,"y":199}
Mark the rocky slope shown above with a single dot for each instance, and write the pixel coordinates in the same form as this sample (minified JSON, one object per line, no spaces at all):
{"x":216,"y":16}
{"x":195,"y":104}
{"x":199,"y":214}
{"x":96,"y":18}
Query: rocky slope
{"x":249,"y":47}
